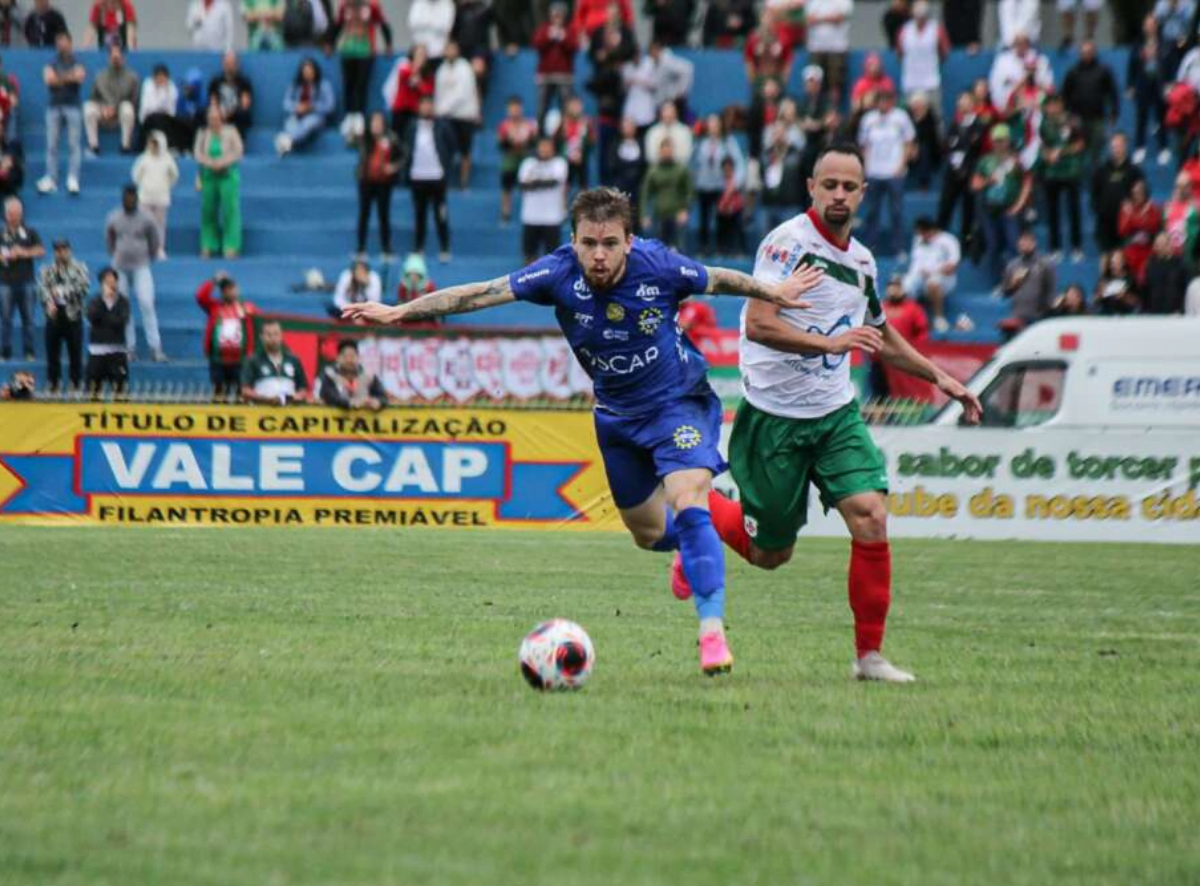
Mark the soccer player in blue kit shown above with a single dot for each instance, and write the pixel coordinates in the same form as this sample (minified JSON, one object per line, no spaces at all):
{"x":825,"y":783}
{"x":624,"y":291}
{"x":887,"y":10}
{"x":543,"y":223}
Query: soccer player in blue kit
{"x":615,"y":297}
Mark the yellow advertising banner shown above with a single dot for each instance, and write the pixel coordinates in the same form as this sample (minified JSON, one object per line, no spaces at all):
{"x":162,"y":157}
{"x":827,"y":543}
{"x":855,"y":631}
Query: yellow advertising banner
{"x":160,"y":465}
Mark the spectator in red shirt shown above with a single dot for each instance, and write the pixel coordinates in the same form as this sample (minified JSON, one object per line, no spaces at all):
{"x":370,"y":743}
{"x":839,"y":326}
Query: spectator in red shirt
{"x":908,"y":318}
{"x":10,"y":98}
{"x":698,"y":321}
{"x":556,"y":44}
{"x":229,"y":335}
{"x":413,"y":81}
{"x":1139,"y":221}
{"x":593,"y":14}
{"x":112,"y":21}
{"x":768,"y":52}
{"x":873,"y":81}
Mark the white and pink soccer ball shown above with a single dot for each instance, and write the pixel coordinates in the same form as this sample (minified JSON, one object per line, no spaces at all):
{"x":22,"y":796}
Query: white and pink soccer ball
{"x":555,"y":655}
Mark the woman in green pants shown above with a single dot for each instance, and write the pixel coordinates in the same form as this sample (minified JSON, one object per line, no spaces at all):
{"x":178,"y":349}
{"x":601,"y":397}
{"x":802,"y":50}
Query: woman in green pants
{"x":218,"y":151}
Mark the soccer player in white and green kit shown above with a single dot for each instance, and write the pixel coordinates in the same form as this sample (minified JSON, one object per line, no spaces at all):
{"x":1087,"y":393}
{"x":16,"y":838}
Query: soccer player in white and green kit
{"x":800,"y":422}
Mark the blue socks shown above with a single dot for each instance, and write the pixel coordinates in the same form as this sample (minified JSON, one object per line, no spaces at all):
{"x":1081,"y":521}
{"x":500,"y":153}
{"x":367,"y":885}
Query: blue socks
{"x":703,"y":560}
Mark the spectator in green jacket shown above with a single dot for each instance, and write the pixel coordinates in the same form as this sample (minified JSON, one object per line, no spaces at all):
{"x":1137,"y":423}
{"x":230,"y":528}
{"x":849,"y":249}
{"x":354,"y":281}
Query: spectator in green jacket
{"x":1061,"y":167}
{"x":667,"y":192}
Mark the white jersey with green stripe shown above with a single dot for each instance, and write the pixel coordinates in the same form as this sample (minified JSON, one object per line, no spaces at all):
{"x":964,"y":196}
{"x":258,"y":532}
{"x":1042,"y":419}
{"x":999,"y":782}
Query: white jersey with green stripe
{"x":799,"y":385}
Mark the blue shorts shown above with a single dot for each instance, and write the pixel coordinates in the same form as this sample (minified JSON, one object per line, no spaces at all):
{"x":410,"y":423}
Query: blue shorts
{"x":638,"y":451}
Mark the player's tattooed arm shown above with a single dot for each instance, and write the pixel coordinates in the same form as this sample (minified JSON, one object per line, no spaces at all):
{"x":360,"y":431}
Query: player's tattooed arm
{"x":786,"y":293}
{"x":452,"y":300}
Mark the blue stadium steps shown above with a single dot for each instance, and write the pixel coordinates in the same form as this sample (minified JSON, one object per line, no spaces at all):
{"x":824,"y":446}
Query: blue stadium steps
{"x":299,"y":212}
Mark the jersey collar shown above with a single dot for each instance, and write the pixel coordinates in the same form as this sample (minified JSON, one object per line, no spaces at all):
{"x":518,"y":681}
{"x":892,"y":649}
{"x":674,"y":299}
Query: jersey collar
{"x":823,"y":230}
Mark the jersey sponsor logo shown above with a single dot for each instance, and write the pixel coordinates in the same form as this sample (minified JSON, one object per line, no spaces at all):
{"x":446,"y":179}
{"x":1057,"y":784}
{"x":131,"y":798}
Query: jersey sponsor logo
{"x":687,"y":437}
{"x":650,"y":320}
{"x":829,"y":362}
{"x":620,"y":364}
{"x":582,"y":291}
{"x":689,"y":272}
{"x":615,"y":335}
{"x":584,"y":320}
{"x":615,"y":313}
{"x":647,"y":293}
{"x":533,"y":275}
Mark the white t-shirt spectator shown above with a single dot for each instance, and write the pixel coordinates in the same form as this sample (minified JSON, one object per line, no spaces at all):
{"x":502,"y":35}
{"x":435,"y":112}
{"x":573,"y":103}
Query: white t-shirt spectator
{"x":930,"y":259}
{"x":884,"y":139}
{"x":639,"y":91}
{"x":1008,"y":70}
{"x":673,"y":77}
{"x":920,"y":61}
{"x":455,"y":93}
{"x":430,"y":22}
{"x":1019,"y":17}
{"x":342,"y":295}
{"x":543,"y":206}
{"x":211,"y":26}
{"x":426,"y":165}
{"x":828,"y":37}
{"x":156,"y":99}
{"x":681,"y":139}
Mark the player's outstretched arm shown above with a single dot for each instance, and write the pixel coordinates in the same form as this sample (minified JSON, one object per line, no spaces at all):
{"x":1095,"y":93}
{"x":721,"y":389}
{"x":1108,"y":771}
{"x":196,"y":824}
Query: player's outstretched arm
{"x":451,"y":300}
{"x":786,"y":293}
{"x":897,"y":352}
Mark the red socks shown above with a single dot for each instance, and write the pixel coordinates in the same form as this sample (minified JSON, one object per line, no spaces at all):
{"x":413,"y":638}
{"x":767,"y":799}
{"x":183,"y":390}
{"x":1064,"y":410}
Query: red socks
{"x":870,"y":592}
{"x":727,"y":520}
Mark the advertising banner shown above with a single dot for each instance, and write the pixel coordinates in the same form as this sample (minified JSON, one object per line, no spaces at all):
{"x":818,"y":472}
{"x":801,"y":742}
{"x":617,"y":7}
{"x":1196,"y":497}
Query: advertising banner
{"x":1051,"y":485}
{"x":235,"y":466}
{"x":452,"y":365}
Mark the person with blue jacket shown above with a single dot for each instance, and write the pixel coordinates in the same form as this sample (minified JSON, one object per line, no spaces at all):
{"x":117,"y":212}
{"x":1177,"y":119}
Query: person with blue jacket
{"x":309,"y":103}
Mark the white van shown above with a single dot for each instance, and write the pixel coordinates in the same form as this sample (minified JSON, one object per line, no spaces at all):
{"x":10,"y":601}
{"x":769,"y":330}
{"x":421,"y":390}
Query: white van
{"x":1092,"y":372}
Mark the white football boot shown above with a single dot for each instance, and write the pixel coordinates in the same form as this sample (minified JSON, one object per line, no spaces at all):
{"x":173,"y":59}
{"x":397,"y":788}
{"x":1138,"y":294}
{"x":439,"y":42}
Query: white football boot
{"x":874,"y":666}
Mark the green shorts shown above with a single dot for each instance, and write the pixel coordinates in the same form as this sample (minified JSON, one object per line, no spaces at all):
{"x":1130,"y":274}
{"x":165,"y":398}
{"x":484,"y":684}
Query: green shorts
{"x":773,"y":459}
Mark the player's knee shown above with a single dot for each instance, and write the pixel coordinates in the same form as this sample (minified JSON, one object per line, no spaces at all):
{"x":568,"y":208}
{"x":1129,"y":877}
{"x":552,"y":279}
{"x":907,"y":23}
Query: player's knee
{"x":645,"y":540}
{"x":869,"y":522}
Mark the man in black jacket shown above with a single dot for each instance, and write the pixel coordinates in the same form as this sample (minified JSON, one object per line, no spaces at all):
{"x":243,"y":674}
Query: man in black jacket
{"x":1111,"y":184}
{"x":347,"y":384}
{"x":427,"y":150}
{"x":1167,"y":279}
{"x":964,"y":23}
{"x":43,"y":25}
{"x":107,"y":313}
{"x":1090,"y":93}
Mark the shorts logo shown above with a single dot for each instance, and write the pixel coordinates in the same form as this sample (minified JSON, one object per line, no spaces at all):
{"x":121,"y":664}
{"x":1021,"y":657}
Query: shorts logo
{"x":650,"y":320}
{"x":582,"y":292}
{"x":648,"y":293}
{"x":615,"y":313}
{"x":751,"y":526}
{"x":687,"y":437}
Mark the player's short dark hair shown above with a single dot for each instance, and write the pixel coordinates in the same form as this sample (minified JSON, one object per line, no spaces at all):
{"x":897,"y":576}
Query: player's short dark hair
{"x":925,"y":223}
{"x":347,"y":343}
{"x":602,"y":205}
{"x":107,"y":271}
{"x":267,"y":323}
{"x":842,"y":147}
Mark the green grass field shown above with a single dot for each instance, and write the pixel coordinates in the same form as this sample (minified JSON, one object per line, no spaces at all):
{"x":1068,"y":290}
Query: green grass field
{"x":344,"y":707}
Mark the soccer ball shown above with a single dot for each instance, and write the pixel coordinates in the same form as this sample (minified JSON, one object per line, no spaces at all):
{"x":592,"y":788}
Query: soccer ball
{"x":557,"y":654}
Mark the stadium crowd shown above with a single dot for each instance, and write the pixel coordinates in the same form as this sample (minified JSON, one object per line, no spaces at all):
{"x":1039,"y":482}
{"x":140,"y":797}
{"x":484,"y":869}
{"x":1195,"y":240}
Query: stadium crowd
{"x":1018,"y":149}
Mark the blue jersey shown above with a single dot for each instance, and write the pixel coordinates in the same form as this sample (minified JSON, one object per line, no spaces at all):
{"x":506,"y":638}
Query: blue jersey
{"x":626,"y":338}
